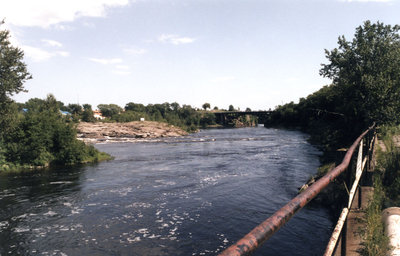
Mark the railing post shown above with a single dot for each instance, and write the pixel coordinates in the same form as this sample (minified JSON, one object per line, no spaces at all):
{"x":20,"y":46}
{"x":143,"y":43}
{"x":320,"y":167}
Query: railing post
{"x":341,"y":226}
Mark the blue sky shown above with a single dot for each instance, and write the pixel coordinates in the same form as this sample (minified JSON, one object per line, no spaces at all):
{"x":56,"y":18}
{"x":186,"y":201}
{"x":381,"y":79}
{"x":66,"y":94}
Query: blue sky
{"x":248,"y":53}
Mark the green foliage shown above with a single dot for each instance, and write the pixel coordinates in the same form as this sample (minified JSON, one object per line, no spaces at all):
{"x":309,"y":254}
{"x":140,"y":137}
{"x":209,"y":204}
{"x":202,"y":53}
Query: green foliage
{"x":206,"y":119}
{"x":376,"y":242}
{"x":2,"y":155}
{"x":13,"y":74}
{"x":389,"y":164}
{"x":76,"y":110}
{"x":366,"y":74}
{"x":129,"y":116}
{"x":109,"y":110}
{"x":13,"y":71}
{"x":42,"y":137}
{"x":231,"y":108}
{"x":206,"y":106}
{"x":87,"y":114}
{"x":136,"y":107}
{"x":247,"y":120}
{"x":366,"y":88}
{"x":184,"y":116}
{"x":386,"y":190}
{"x":324,"y":169}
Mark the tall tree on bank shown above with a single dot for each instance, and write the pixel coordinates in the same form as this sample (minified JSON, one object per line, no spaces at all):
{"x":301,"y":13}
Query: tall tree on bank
{"x":366,"y":74}
{"x":206,"y":106}
{"x":13,"y":75}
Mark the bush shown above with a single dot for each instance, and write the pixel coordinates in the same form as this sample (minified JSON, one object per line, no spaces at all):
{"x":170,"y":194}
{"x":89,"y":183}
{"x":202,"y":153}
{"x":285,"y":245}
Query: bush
{"x":376,"y":242}
{"x":42,"y":137}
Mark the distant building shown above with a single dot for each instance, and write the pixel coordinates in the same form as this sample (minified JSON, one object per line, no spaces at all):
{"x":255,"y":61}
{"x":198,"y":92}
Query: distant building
{"x":142,"y":119}
{"x":97,"y":114}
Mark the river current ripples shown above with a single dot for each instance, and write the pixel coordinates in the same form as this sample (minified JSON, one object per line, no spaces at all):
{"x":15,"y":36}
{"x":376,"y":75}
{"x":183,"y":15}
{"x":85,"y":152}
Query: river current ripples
{"x":192,"y":195}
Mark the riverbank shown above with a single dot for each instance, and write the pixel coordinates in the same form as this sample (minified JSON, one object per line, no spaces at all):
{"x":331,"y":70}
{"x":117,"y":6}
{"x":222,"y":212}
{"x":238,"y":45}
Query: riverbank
{"x":126,"y":132}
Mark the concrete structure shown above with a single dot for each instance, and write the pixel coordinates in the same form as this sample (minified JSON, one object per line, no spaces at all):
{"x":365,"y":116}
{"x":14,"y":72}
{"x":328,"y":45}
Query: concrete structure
{"x":391,"y":220}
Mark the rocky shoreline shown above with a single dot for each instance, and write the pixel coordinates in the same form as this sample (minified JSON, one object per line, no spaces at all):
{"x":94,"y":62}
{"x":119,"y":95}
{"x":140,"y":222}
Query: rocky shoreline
{"x":100,"y":132}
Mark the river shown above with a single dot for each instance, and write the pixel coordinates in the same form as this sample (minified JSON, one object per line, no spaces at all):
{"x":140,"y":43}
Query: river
{"x":192,"y":195}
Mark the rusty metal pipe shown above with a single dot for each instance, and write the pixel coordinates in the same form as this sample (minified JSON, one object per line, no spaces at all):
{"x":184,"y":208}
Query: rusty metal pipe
{"x":266,"y":229}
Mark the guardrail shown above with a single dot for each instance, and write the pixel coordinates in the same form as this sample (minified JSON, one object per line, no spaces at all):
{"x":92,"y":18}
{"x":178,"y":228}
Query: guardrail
{"x":361,"y":163}
{"x":266,"y":229}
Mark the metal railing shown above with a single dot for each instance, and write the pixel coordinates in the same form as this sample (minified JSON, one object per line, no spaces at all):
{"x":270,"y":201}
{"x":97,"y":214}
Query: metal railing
{"x":266,"y":229}
{"x":362,"y":160}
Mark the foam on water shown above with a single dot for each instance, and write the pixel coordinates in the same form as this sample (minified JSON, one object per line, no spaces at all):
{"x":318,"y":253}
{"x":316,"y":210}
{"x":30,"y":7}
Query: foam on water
{"x":60,"y":182}
{"x":154,"y":199}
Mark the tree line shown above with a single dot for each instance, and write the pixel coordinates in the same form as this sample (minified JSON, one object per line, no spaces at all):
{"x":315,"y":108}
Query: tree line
{"x":40,"y":133}
{"x":365,"y":89}
{"x":184,"y":116}
{"x":365,"y":73}
{"x":41,"y":136}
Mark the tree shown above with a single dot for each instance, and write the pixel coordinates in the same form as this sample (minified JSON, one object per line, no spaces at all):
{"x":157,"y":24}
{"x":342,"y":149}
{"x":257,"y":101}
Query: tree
{"x":87,"y":115}
{"x":43,"y":137}
{"x":109,"y":110}
{"x":207,"y":118}
{"x":366,"y":74}
{"x":137,"y":107}
{"x":231,"y":108}
{"x":75,"y":109}
{"x":206,"y":105}
{"x":175,"y":106}
{"x":13,"y":75}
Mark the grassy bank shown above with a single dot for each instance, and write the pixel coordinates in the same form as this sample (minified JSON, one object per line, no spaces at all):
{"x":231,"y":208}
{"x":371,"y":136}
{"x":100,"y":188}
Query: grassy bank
{"x":376,"y":242}
{"x":386,"y":190}
{"x":92,"y":156}
{"x":41,"y":137}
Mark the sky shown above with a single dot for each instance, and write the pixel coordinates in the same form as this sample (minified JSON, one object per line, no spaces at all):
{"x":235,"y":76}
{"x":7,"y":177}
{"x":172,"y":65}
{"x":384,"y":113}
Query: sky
{"x":247,"y":53}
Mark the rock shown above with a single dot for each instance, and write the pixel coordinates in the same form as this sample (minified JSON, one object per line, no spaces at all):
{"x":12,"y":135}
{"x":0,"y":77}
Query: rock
{"x":98,"y":132}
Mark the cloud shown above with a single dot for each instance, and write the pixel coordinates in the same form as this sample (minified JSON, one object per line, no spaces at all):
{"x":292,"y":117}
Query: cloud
{"x":38,"y":55}
{"x":62,"y":53}
{"x":122,"y":72}
{"x":119,"y":69}
{"x":89,"y":24}
{"x":122,"y":67}
{"x":175,"y":39}
{"x":52,"y":43}
{"x":135,"y":51}
{"x":45,"y":13}
{"x":223,"y":79}
{"x":106,"y":61}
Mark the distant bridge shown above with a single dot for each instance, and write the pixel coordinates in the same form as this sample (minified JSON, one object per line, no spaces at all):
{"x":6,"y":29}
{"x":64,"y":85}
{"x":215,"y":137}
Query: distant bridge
{"x":223,"y":117}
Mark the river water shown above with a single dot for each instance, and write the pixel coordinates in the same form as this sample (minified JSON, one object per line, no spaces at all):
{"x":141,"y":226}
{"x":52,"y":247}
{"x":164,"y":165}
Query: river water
{"x":193,"y":195}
